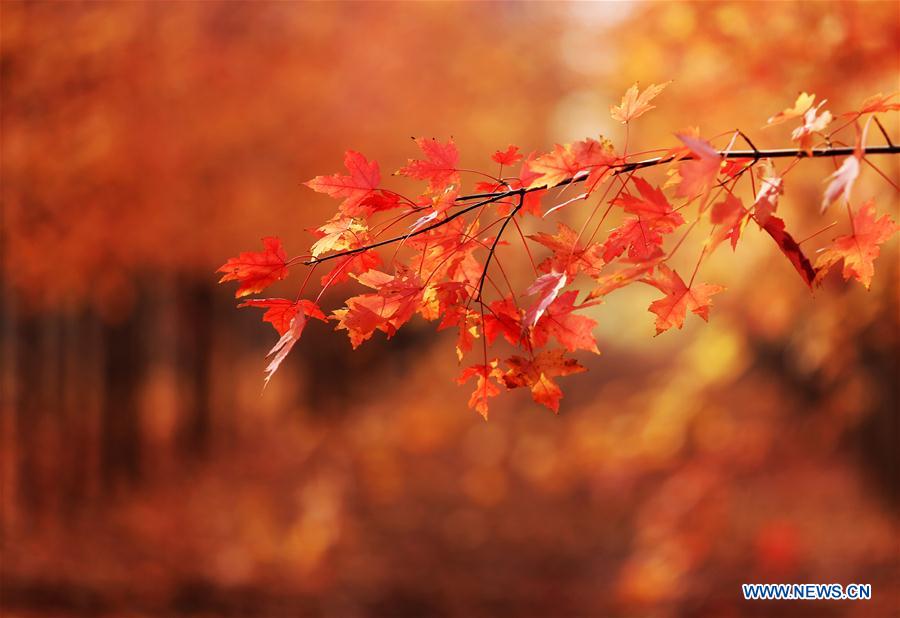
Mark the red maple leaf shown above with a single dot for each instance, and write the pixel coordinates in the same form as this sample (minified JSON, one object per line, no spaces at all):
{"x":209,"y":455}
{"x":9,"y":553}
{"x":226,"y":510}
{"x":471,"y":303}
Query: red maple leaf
{"x":574,"y":332}
{"x":353,"y":264}
{"x":510,"y":156}
{"x":256,"y":270}
{"x":504,"y":319}
{"x":281,"y":311}
{"x":671,"y":310}
{"x":642,"y":234}
{"x":775,"y":227}
{"x":354,"y":188}
{"x":397,"y":299}
{"x":439,"y":167}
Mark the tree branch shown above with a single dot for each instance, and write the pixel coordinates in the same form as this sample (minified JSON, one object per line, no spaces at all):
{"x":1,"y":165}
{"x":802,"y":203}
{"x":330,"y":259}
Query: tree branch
{"x":622,"y":168}
{"x":734,"y":154}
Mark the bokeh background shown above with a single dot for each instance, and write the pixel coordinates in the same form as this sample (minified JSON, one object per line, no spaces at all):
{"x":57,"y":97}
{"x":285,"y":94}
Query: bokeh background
{"x":143,"y":473}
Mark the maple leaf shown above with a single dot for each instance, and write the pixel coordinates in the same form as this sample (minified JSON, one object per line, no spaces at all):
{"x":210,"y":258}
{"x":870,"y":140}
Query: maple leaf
{"x":352,"y":264}
{"x":256,"y":270}
{"x":563,"y":162}
{"x":732,"y":168}
{"x":574,"y":332}
{"x":775,"y":227}
{"x":339,"y":234}
{"x":354,"y":188}
{"x":281,"y":311}
{"x":547,"y":287}
{"x":633,"y":104}
{"x":876,"y":104}
{"x":438,"y":167}
{"x":504,"y":319}
{"x":358,"y":319}
{"x":397,"y":299}
{"x":613,"y":281}
{"x":484,"y":387}
{"x":671,"y":310}
{"x":569,"y":255}
{"x":537,"y":374}
{"x":697,"y":176}
{"x":531,"y":201}
{"x":284,"y":345}
{"x":813,"y":122}
{"x":467,"y":332}
{"x":859,"y":249}
{"x":771,"y":187}
{"x":642,"y":235}
{"x":510,"y":156}
{"x":728,"y":216}
{"x":801,"y":105}
{"x":841,"y":182}
{"x":843,"y":178}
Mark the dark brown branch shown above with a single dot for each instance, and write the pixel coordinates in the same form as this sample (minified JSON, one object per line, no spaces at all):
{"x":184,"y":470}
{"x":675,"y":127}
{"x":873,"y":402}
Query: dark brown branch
{"x":493,"y":248}
{"x":782,"y":153}
{"x":622,"y":168}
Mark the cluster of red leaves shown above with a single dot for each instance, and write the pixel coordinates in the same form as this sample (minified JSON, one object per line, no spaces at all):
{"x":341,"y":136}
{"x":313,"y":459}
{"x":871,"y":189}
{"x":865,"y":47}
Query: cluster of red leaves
{"x":445,"y":265}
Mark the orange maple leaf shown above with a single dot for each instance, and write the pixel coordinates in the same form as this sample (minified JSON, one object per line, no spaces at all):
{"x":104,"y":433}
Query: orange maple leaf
{"x":671,"y":310}
{"x":569,"y":255}
{"x":537,"y":374}
{"x":589,"y":157}
{"x":607,"y":283}
{"x":859,"y":249}
{"x":634,"y":104}
{"x":256,"y":270}
{"x":484,"y":387}
{"x":697,"y":176}
{"x":728,"y":216}
{"x":339,"y":234}
{"x":876,"y":104}
{"x":803,"y":103}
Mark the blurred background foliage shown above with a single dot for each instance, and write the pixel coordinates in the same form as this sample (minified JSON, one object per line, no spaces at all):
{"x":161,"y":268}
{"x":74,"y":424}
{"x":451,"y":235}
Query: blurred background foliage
{"x":144,"y":474}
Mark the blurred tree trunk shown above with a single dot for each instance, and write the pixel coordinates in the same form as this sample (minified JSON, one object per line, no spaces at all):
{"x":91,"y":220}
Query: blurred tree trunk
{"x":195,"y":333}
{"x":124,"y":358}
{"x":9,"y":426}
